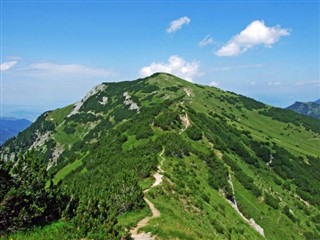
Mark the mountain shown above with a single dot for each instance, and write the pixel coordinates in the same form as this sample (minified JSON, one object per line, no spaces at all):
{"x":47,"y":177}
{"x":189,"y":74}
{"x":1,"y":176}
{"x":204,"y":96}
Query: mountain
{"x":162,"y":157}
{"x":10,"y":127}
{"x":311,"y":109}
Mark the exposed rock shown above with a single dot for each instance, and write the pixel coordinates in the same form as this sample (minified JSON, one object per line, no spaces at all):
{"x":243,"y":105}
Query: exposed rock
{"x":185,"y":122}
{"x":92,"y":92}
{"x":129,"y":102}
{"x":188,"y":92}
{"x":134,"y":106}
{"x":55,"y":155}
{"x":41,"y":139}
{"x":104,"y":101}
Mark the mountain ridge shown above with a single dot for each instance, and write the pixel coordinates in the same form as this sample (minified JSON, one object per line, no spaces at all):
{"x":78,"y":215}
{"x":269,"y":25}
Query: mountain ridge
{"x":221,"y":150}
{"x":10,"y":127}
{"x":311,"y":109}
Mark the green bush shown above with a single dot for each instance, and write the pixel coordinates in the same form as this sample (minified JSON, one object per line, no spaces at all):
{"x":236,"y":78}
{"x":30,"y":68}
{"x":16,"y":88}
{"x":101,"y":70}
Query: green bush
{"x":194,"y":133}
{"x":271,"y":201}
{"x":167,"y":120}
{"x":27,"y":199}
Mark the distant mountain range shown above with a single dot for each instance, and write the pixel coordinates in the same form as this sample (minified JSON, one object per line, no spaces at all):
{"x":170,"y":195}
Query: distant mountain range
{"x":10,"y":127}
{"x":311,"y":109}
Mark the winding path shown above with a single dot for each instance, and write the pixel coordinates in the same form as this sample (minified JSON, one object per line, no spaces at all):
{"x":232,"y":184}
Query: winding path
{"x":250,"y":221}
{"x":158,"y":176}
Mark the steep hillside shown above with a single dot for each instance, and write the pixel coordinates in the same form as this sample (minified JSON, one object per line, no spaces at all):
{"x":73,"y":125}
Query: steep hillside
{"x":10,"y":127}
{"x":181,"y":160}
{"x":311,"y":109}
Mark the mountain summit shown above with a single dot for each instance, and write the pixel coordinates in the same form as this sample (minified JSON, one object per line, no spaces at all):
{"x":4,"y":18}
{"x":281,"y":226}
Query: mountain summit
{"x":163,"y":158}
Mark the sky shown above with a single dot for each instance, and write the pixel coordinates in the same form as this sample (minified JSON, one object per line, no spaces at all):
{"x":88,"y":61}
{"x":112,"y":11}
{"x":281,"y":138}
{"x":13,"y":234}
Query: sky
{"x":54,"y":52}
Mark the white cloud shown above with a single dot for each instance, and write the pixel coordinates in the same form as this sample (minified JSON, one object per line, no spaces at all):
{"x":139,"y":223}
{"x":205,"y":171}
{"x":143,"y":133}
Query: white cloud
{"x":48,"y":69}
{"x":206,"y":41}
{"x":213,"y":84}
{"x":176,"y":65}
{"x":256,"y":33}
{"x":17,"y":58}
{"x":229,"y":68}
{"x":7,"y":65}
{"x":315,"y":83}
{"x":177,"y":24}
{"x":274,"y":83}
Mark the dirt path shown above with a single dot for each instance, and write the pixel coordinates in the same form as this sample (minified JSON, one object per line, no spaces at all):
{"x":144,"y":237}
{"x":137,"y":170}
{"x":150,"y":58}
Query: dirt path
{"x":251,"y":221}
{"x":143,"y":222}
{"x":185,"y":122}
{"x":158,"y":179}
{"x":270,"y":161}
{"x":155,"y":212}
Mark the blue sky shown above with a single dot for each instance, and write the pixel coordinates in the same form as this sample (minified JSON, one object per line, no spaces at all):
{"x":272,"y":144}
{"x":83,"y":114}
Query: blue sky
{"x":53,"y":52}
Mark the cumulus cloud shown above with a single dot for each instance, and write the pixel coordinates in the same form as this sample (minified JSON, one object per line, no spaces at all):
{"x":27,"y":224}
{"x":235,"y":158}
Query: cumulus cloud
{"x":176,"y":65}
{"x":54,"y":69}
{"x":7,"y":65}
{"x":213,"y":84}
{"x":206,"y":41}
{"x":177,"y":24}
{"x":256,"y":33}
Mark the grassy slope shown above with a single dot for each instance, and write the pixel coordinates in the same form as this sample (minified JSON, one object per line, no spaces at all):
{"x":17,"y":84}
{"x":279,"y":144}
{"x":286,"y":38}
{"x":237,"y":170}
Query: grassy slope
{"x":58,"y":115}
{"x":57,"y":230}
{"x":185,"y":212}
{"x":262,"y":128}
{"x":68,"y":169}
{"x":190,"y":208}
{"x":295,"y":138}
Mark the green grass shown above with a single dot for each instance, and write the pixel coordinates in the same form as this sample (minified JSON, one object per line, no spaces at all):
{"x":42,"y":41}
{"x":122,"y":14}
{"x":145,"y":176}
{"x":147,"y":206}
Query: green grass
{"x":146,"y":183}
{"x":184,"y":213}
{"x":68,"y":169}
{"x":130,"y":219}
{"x":128,"y":145}
{"x":133,"y":143}
{"x":178,"y":203}
{"x":58,"y":115}
{"x":262,"y":213}
{"x":84,"y":170}
{"x":53,"y":231}
{"x":190,"y":208}
{"x":296,"y":138}
{"x":65,"y":139}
